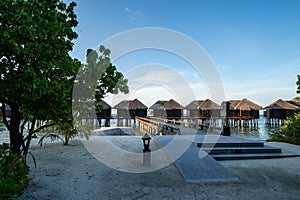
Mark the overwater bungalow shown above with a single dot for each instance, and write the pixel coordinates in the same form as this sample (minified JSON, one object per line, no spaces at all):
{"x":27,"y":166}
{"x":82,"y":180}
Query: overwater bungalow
{"x":244,"y":113}
{"x":104,"y":114}
{"x":209,"y":109}
{"x":192,"y":109}
{"x":203,"y":109}
{"x":129,"y":109}
{"x":167,"y":109}
{"x":199,"y":111}
{"x":278,"y":111}
{"x":246,"y":108}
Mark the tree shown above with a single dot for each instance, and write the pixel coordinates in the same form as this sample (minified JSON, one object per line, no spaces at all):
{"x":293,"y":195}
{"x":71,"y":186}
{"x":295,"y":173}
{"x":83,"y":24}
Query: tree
{"x":298,"y":84}
{"x":96,"y":78}
{"x":36,"y":71}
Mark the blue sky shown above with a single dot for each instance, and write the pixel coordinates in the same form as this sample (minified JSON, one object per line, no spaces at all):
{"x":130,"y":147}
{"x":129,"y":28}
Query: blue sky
{"x":255,"y":45}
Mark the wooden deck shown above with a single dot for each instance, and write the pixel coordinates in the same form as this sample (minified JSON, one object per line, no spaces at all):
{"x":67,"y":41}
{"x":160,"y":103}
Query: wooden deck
{"x":161,"y":126}
{"x":157,"y":126}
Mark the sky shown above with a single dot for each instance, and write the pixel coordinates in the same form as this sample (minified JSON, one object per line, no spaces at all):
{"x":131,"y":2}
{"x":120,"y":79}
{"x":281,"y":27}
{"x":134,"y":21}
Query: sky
{"x":254,"y":45}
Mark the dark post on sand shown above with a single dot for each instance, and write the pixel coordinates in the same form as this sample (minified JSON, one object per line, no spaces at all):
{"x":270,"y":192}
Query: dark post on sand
{"x":225,"y":112}
{"x":146,"y":151}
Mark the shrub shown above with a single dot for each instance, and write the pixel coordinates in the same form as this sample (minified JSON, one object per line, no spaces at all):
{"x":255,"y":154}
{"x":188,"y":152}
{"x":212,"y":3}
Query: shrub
{"x":13,"y":173}
{"x":290,"y":132}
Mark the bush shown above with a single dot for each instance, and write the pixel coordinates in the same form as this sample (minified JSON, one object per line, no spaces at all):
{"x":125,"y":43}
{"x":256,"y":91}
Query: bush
{"x":290,"y":132}
{"x":13,"y":173}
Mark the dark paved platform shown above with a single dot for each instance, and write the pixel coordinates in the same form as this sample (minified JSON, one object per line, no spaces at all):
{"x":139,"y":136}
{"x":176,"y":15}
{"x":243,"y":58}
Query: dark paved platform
{"x":198,"y":154}
{"x":193,"y":167}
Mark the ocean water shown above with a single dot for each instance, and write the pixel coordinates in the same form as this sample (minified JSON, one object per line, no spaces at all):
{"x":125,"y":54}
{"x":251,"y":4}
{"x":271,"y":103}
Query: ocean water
{"x":259,"y":133}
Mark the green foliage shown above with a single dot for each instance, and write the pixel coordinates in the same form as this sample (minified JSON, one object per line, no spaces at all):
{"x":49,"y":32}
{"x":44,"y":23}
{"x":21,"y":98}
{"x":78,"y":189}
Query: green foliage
{"x":35,"y":65}
{"x":97,"y":78}
{"x":290,"y":132}
{"x":298,"y":84}
{"x":13,"y":173}
{"x":36,"y":70}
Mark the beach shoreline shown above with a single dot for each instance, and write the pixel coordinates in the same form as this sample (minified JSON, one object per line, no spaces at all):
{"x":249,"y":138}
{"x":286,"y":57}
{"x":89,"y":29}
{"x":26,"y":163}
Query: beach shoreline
{"x":71,"y":172}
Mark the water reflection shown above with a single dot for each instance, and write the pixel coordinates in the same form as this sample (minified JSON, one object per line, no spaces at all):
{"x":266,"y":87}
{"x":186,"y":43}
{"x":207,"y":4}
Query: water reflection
{"x":260,"y":133}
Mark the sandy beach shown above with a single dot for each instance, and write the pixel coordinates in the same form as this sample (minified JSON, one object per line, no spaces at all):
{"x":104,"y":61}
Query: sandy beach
{"x":71,"y":172}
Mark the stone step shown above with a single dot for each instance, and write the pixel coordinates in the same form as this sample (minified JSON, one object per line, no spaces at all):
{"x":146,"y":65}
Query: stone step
{"x":242,"y":150}
{"x":230,"y":144}
{"x":220,"y":157}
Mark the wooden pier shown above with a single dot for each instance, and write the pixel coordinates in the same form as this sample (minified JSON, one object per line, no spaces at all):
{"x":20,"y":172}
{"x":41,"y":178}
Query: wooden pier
{"x":162,"y":126}
{"x":157,"y":126}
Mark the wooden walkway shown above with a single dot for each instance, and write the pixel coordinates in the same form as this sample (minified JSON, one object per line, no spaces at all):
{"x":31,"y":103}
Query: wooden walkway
{"x":162,"y":126}
{"x":157,"y":127}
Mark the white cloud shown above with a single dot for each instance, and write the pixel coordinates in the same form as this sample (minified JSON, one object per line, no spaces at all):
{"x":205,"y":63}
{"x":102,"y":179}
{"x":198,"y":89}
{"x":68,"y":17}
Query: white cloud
{"x":132,"y":14}
{"x":127,"y":10}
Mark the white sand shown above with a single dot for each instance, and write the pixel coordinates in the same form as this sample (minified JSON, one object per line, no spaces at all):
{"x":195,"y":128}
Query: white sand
{"x":71,"y":172}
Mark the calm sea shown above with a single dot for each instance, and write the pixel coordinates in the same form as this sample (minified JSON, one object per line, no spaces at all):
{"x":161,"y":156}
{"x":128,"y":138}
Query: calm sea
{"x":259,"y":133}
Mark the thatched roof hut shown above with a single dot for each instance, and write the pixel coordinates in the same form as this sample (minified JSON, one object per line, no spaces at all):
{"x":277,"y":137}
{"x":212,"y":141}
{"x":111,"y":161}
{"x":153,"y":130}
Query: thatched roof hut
{"x":105,"y":112}
{"x":244,"y":108}
{"x":209,"y":109}
{"x":280,"y":109}
{"x":158,"y":105}
{"x":234,"y":103}
{"x":131,"y":109}
{"x":194,"y":105}
{"x":91,"y":113}
{"x":193,"y":108}
{"x":167,"y":109}
{"x":281,"y":104}
{"x":172,"y":105}
{"x":247,"y":105}
{"x":209,"y":105}
{"x":203,"y":108}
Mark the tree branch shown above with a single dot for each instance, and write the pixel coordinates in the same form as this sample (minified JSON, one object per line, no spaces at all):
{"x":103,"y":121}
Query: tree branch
{"x":42,"y":127}
{"x":28,"y":137}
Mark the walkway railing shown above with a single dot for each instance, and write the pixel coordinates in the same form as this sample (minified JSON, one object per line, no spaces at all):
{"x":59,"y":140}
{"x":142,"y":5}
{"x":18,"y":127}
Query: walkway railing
{"x":155,"y":126}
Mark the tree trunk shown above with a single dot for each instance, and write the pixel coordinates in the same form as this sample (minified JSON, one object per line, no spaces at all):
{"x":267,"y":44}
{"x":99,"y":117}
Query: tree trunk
{"x":16,"y":137}
{"x":29,"y":137}
{"x":66,"y":142}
